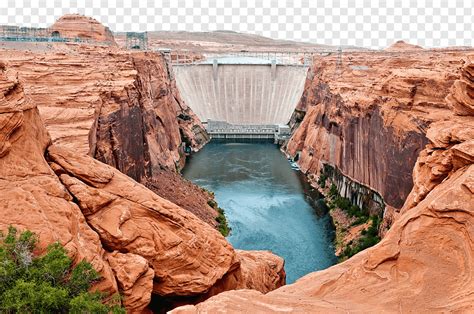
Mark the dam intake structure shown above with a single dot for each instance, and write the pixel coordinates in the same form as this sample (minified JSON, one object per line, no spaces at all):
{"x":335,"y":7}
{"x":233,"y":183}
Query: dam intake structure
{"x":243,"y":95}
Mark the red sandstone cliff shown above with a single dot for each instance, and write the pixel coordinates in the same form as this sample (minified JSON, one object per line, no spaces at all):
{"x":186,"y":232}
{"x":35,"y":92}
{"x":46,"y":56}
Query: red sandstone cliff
{"x":424,"y":263}
{"x":142,"y":245}
{"x":82,"y":27}
{"x":121,"y":108}
{"x":367,"y":115}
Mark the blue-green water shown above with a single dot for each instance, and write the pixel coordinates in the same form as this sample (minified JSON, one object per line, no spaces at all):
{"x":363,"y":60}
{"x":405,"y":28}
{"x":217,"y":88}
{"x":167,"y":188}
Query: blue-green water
{"x":266,"y":203}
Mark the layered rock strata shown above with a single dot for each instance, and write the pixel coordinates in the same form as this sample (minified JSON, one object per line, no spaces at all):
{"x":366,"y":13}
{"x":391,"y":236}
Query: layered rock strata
{"x":32,"y":197}
{"x":121,"y":108}
{"x":366,"y":114}
{"x":83,"y":28}
{"x":142,"y":244}
{"x":423,"y":264}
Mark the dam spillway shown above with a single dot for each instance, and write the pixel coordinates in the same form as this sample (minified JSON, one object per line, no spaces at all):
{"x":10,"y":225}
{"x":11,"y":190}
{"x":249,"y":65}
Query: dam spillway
{"x":245,"y":91}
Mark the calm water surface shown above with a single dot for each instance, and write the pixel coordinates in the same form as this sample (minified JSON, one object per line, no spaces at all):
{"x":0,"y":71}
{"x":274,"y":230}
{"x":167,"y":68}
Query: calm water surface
{"x":267,"y":204}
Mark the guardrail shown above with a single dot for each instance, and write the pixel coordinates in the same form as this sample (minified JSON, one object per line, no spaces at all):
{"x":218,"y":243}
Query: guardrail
{"x":301,"y":58}
{"x":176,"y":57}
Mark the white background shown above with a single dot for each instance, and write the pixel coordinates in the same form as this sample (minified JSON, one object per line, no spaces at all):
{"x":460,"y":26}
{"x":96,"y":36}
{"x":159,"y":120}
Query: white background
{"x":373,"y":24}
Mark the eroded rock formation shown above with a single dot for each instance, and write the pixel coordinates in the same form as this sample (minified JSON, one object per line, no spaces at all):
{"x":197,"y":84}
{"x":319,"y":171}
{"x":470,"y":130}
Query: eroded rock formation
{"x":32,"y":197}
{"x":142,"y":244}
{"x":368,"y":115}
{"x":82,"y":27}
{"x":128,"y":217}
{"x":121,"y":108}
{"x":423,"y":264}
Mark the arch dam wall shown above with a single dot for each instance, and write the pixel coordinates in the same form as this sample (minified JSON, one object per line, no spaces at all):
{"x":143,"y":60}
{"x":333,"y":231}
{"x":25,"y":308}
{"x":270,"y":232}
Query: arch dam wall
{"x":255,"y":94}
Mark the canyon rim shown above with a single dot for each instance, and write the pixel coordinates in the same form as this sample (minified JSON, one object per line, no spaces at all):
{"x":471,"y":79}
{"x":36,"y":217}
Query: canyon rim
{"x":94,"y":135}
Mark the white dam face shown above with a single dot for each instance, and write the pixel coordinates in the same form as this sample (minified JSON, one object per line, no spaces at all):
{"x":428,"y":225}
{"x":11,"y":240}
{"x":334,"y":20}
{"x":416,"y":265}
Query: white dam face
{"x":241,"y":93}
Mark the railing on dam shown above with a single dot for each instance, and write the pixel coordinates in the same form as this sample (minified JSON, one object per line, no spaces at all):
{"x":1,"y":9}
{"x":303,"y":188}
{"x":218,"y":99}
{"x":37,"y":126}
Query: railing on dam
{"x":291,"y":58}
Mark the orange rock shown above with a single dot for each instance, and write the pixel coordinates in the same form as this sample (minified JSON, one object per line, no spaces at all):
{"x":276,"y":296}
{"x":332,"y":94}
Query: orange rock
{"x":403,"y":46}
{"x":451,"y":146}
{"x":462,"y":92}
{"x":32,"y":197}
{"x":423,"y":264}
{"x":187,"y":255}
{"x":135,"y":279}
{"x":83,"y":27}
{"x":368,"y":114}
{"x":259,"y":270}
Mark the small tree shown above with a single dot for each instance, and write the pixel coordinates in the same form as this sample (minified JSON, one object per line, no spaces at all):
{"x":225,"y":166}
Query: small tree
{"x":48,"y":283}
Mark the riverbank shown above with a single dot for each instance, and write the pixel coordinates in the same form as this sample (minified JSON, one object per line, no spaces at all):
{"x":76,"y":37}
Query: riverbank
{"x":355,"y":228}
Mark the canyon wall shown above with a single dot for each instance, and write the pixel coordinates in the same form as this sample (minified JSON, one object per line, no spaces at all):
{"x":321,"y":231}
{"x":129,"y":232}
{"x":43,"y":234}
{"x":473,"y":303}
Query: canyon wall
{"x":367,"y":116}
{"x":424,"y":263}
{"x":123,"y":108}
{"x":143,"y":245}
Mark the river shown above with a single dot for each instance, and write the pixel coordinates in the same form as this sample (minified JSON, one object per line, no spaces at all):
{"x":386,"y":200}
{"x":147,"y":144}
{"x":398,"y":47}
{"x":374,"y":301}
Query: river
{"x":268,"y":205}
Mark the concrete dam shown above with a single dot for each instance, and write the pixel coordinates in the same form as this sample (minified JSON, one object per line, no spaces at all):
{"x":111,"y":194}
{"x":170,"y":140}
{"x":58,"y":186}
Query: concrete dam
{"x":241,"y":90}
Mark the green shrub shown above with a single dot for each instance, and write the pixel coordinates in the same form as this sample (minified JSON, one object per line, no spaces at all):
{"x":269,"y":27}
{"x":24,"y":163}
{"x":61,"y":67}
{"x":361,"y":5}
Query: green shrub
{"x":369,"y":237}
{"x":322,"y":180}
{"x":223,"y":227}
{"x":212,"y":203}
{"x":47,"y":283}
{"x":333,"y":191}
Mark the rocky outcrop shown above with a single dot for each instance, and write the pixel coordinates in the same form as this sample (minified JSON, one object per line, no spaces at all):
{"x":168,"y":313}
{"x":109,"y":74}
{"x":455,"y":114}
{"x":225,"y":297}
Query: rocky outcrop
{"x":135,"y":279}
{"x":32,"y":197}
{"x":259,"y":270}
{"x":423,"y":264}
{"x":143,"y":245}
{"x":367,"y":114}
{"x":462,"y":94}
{"x":451,"y":142}
{"x":402,"y":46}
{"x":121,"y":108}
{"x":82,"y":27}
{"x":128,"y":217}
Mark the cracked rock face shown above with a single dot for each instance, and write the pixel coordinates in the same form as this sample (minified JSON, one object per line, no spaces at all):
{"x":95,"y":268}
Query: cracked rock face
{"x":368,"y":116}
{"x":141,"y":244}
{"x":121,"y":108}
{"x":424,"y":262}
{"x":32,"y":197}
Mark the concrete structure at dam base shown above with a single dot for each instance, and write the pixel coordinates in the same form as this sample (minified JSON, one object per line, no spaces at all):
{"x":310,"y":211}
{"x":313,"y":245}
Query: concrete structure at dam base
{"x":224,"y":130}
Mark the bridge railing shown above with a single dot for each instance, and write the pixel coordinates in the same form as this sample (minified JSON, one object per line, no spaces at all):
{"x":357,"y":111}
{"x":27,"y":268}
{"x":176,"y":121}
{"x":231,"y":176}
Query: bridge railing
{"x":294,"y":58}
